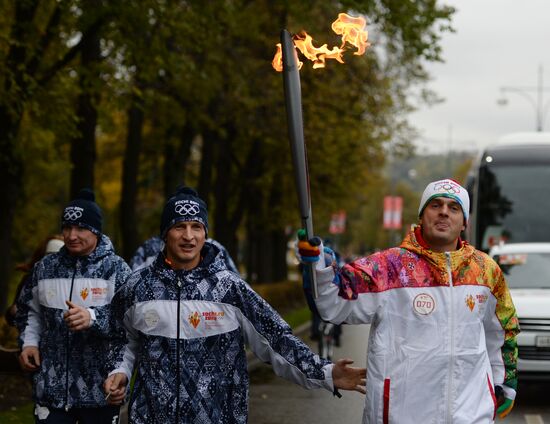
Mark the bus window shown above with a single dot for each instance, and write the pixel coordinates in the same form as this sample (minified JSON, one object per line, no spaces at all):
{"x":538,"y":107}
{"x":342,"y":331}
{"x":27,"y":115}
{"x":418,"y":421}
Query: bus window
{"x":513,"y":204}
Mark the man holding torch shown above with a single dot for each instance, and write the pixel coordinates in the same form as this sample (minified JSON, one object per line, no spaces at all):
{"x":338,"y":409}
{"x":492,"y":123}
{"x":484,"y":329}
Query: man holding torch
{"x":443,"y":345}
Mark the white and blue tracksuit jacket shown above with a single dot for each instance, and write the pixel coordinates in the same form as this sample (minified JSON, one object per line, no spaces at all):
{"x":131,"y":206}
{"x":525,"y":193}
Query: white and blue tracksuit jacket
{"x":187,"y":331}
{"x":74,"y":365}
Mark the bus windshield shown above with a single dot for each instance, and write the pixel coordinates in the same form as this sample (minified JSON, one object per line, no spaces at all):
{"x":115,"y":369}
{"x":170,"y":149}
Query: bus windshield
{"x":513,"y":203}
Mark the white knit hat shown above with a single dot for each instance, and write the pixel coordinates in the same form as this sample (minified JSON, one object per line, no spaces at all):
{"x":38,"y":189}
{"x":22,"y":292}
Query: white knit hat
{"x":446,"y":188}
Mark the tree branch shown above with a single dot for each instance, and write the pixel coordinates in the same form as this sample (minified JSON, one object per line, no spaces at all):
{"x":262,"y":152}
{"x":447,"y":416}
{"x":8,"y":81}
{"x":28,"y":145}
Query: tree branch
{"x":45,"y":41}
{"x":73,"y":51}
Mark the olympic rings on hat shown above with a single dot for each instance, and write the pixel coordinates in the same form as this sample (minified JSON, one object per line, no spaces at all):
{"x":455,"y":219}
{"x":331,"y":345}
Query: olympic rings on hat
{"x":187,"y":209}
{"x":72,"y":214}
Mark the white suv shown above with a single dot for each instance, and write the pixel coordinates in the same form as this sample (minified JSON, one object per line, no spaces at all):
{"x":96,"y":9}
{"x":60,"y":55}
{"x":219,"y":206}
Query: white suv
{"x":526,"y":267}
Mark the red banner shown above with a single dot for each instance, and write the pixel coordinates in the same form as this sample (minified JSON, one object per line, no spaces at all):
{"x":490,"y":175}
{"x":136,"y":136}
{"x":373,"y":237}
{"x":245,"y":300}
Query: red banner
{"x":393,"y":212}
{"x":337,"y":222}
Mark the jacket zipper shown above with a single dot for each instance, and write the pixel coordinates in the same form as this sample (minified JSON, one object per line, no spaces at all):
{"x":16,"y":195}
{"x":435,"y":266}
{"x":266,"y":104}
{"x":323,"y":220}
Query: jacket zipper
{"x":178,"y":378}
{"x":68,"y":345}
{"x":451,"y":325}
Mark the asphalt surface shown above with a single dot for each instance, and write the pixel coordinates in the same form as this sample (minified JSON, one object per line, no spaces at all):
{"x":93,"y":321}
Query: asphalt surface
{"x":274,"y":400}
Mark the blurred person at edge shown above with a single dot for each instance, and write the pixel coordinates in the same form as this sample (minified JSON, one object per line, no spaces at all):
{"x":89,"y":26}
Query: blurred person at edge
{"x":65,"y":322}
{"x":51,"y":244}
{"x":188,"y":318}
{"x":442,"y":344}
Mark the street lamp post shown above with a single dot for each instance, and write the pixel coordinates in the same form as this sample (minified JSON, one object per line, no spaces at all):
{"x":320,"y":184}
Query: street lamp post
{"x":536,"y":101}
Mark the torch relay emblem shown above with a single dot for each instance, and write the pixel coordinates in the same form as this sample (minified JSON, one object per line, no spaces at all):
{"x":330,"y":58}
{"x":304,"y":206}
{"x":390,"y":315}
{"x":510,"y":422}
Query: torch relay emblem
{"x":84,"y":293}
{"x":194,"y":319}
{"x":470,"y":302}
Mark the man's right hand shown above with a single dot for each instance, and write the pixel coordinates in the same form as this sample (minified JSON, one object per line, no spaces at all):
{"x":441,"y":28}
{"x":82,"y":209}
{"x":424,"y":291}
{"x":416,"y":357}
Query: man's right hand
{"x":115,"y":388}
{"x":29,"y":358}
{"x":309,"y":251}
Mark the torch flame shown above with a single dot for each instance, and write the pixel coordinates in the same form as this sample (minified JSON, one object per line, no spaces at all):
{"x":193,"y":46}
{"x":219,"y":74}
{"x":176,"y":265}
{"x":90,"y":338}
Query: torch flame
{"x":304,"y":43}
{"x":350,"y":28}
{"x":277,"y":61}
{"x":353,"y":31}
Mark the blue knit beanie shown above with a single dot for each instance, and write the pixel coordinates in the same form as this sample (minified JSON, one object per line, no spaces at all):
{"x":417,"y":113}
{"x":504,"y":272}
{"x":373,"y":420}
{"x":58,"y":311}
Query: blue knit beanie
{"x":84,"y":212}
{"x":184,"y":205}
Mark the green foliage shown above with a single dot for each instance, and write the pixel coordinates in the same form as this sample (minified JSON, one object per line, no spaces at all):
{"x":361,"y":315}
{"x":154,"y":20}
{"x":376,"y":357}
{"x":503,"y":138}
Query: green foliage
{"x":284,"y":296}
{"x":18,"y":415}
{"x":297,"y":317}
{"x":205,"y":67}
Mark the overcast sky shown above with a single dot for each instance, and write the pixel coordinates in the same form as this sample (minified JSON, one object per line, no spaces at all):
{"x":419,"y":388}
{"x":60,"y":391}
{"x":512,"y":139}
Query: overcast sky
{"x":497,"y":43}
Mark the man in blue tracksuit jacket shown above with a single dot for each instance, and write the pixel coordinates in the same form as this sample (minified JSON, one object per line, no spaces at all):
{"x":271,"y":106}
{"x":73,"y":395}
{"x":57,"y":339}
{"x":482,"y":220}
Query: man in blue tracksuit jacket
{"x":65,"y":321}
{"x":188,"y":319}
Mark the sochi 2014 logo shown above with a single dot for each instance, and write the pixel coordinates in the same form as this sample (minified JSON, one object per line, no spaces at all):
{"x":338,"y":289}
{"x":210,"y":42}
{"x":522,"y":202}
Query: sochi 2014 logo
{"x":84,"y":293}
{"x":470,"y":302}
{"x":194,"y":319}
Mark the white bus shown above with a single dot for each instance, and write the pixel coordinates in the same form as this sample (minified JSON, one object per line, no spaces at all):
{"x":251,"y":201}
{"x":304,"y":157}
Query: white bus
{"x":509,"y":188}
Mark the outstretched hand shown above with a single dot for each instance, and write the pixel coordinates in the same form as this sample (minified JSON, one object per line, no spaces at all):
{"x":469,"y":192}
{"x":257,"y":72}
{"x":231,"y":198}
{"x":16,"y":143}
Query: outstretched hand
{"x":349,"y":378}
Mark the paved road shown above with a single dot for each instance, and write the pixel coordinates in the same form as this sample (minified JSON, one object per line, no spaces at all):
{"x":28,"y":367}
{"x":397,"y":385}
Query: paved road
{"x":276,"y":401}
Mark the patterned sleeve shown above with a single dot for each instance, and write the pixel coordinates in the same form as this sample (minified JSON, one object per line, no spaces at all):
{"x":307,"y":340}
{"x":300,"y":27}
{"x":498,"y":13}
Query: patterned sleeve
{"x":501,"y":331}
{"x":103,"y":322}
{"x":124,"y":348}
{"x":28,"y":317}
{"x":272,"y":341}
{"x":339,"y":290}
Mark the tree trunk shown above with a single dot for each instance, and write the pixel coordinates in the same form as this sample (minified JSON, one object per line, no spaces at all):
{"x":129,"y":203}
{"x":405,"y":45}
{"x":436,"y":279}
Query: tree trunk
{"x":11,"y":175}
{"x":176,"y":158}
{"x":204,"y":188}
{"x":11,"y":162}
{"x":222,"y":193}
{"x":130,"y":170}
{"x":278,"y":239}
{"x":255,"y":234}
{"x":269,"y":266}
{"x":232,"y":201}
{"x":83,"y":149}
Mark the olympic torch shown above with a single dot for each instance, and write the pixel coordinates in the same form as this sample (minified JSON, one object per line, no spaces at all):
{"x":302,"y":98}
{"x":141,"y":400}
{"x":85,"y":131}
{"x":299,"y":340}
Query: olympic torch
{"x":293,"y":101}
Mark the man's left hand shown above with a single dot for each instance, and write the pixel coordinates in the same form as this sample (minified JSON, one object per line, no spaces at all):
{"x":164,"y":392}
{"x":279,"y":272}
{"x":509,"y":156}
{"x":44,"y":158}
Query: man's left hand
{"x":505,"y":408}
{"x":77,"y":317}
{"x":349,"y":378}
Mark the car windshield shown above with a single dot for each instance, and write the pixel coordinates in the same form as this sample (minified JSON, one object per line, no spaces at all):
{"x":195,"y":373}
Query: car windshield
{"x":525,"y":270}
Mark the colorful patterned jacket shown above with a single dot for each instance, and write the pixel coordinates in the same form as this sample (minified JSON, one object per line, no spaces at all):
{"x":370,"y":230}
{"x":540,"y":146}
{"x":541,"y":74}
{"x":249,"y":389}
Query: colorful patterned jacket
{"x":89,"y":281}
{"x":187,"y":330}
{"x":443,"y":331}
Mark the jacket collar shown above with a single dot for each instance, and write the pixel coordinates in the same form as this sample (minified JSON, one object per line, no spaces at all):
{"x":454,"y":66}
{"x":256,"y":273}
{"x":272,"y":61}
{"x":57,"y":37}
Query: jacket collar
{"x":414,"y":242}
